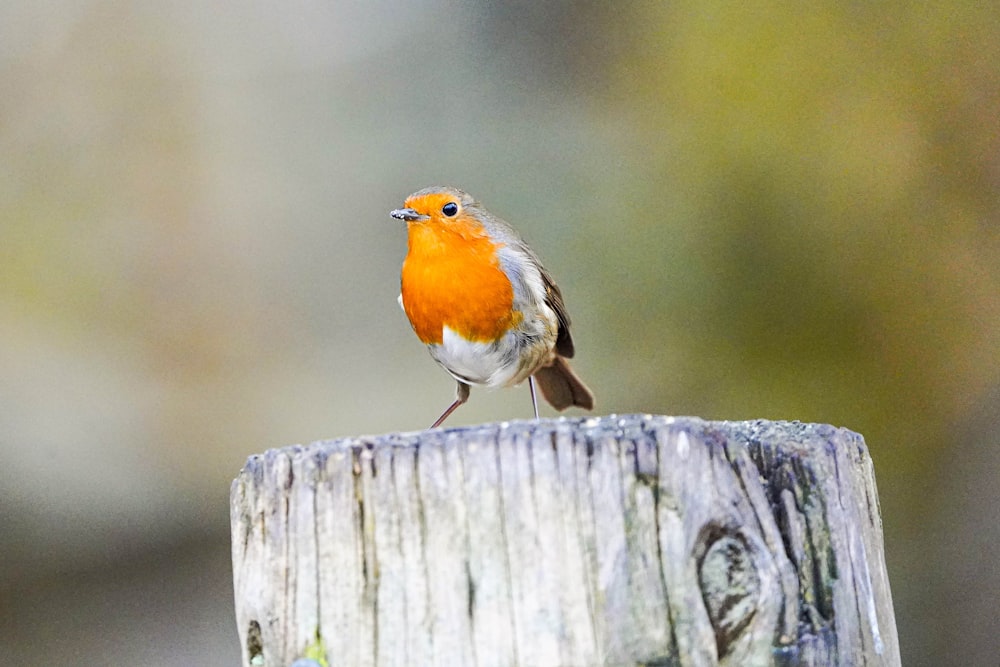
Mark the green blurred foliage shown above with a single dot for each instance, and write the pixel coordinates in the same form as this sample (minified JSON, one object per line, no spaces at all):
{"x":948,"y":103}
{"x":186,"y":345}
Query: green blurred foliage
{"x":836,"y":169}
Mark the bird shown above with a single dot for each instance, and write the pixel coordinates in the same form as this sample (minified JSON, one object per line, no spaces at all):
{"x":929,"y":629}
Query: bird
{"x":480,"y":300}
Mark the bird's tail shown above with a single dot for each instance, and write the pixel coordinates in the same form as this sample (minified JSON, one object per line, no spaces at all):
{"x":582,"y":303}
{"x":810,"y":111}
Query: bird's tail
{"x":561,"y":387}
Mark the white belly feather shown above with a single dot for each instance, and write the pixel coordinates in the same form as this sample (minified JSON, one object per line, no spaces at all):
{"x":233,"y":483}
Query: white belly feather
{"x":505,"y":362}
{"x":492,"y":364}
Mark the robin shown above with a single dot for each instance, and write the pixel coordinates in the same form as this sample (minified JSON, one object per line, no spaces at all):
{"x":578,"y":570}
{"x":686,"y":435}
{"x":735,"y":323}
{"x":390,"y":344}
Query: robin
{"x":480,"y":300}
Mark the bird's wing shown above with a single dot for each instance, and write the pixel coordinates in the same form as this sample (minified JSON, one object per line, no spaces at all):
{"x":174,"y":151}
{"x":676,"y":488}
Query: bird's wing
{"x":553,"y":297}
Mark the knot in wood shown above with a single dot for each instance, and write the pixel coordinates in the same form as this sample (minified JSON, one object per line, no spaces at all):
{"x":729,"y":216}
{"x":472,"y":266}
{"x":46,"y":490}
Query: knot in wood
{"x":729,"y":584}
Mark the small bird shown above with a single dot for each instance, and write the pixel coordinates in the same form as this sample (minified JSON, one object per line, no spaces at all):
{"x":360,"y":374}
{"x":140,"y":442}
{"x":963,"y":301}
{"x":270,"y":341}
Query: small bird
{"x":481,"y":301}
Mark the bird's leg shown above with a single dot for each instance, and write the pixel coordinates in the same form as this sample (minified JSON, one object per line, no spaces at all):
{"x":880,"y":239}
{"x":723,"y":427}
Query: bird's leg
{"x":534,"y":400}
{"x":461,"y":397}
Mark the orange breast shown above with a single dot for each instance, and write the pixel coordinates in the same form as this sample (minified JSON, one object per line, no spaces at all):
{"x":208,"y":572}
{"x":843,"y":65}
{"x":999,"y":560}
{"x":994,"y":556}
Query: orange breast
{"x":452,"y":277}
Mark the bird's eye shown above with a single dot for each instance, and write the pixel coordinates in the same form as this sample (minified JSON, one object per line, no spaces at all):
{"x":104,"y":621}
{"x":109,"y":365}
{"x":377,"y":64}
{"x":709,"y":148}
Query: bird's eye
{"x":450,"y":209}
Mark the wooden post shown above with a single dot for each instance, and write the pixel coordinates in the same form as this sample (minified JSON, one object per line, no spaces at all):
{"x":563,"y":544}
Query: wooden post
{"x":624,"y":540}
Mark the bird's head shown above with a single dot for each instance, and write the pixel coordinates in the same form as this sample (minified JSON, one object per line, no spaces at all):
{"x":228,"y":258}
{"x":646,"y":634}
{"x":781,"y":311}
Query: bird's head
{"x":441,"y":205}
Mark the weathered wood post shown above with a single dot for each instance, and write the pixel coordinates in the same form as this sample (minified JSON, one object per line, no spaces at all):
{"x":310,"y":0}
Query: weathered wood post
{"x":624,"y":540}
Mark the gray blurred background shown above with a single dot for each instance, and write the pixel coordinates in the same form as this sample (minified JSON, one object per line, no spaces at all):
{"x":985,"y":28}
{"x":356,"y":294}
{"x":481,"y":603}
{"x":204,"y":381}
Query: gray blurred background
{"x":776,"y":212}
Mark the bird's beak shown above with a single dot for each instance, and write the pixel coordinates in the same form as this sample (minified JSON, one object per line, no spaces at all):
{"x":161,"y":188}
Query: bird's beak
{"x":408,"y":214}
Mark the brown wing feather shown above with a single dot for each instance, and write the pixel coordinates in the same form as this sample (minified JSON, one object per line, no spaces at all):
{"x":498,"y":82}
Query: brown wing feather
{"x":553,"y":297}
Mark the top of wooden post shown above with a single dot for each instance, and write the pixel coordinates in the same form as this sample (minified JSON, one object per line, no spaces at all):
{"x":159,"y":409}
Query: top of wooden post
{"x":615,"y":540}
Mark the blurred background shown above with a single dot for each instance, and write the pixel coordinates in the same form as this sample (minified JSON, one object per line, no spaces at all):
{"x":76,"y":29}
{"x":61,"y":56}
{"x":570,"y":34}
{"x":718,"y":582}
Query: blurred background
{"x":779,"y":212}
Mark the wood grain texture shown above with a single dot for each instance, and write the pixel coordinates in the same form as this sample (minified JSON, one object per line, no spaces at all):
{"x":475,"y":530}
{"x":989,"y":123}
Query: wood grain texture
{"x":624,"y":540}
